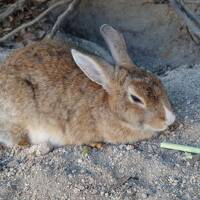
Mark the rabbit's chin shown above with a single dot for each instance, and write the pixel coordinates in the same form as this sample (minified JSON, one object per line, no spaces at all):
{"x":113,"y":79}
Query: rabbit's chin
{"x":145,"y":127}
{"x":152,"y":129}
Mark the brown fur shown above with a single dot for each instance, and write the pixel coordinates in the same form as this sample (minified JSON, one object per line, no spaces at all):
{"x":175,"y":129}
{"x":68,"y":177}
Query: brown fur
{"x":43,"y":90}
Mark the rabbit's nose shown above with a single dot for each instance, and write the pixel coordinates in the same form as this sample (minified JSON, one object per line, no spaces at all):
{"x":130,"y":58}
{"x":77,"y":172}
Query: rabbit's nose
{"x":170,"y":117}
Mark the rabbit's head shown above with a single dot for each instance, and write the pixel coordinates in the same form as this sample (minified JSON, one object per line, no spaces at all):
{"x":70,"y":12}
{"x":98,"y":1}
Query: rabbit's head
{"x":135,"y":96}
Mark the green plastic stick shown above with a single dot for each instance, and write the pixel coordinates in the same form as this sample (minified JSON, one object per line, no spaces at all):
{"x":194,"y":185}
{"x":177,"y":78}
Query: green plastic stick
{"x":180,"y":147}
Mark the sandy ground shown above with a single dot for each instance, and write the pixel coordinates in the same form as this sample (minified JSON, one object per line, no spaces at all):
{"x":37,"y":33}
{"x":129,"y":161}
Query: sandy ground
{"x":139,"y":171}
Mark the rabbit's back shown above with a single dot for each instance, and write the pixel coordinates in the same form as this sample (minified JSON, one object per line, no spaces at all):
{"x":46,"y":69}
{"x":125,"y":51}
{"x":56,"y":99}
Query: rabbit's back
{"x":48,"y":66}
{"x":59,"y":86}
{"x":46,"y":58}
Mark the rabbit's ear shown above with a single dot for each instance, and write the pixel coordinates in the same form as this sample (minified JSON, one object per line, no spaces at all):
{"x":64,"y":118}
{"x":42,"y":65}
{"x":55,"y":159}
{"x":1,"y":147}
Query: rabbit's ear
{"x":117,"y":46}
{"x":95,"y":68}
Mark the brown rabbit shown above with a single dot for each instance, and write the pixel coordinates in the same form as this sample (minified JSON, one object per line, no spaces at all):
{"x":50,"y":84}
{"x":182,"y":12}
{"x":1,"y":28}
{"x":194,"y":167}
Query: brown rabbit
{"x":49,"y":93}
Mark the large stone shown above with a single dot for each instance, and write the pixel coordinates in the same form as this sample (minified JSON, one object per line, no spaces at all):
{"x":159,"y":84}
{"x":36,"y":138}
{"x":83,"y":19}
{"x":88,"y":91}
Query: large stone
{"x":155,"y":35}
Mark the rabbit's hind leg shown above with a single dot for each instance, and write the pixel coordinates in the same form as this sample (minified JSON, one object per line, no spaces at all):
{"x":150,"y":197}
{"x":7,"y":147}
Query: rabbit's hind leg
{"x":14,"y":135}
{"x":11,"y":135}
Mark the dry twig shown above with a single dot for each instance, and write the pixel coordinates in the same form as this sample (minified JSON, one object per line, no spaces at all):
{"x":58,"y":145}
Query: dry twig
{"x":11,"y":8}
{"x":23,"y":26}
{"x":190,"y":19}
{"x":61,"y":17}
{"x":192,"y":1}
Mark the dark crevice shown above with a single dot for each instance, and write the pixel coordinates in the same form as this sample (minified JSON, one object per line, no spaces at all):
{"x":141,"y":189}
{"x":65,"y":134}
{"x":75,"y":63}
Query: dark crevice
{"x":32,"y":86}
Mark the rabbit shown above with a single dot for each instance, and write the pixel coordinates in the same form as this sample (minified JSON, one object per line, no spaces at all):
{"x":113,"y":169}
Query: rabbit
{"x":53,"y":93}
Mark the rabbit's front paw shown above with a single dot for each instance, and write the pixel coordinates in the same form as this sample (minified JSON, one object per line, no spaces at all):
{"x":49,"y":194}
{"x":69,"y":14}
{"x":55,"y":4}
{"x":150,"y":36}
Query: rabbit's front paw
{"x":96,"y":145}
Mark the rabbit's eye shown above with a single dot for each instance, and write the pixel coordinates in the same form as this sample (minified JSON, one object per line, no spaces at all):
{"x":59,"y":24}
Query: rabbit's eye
{"x":136,"y":99}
